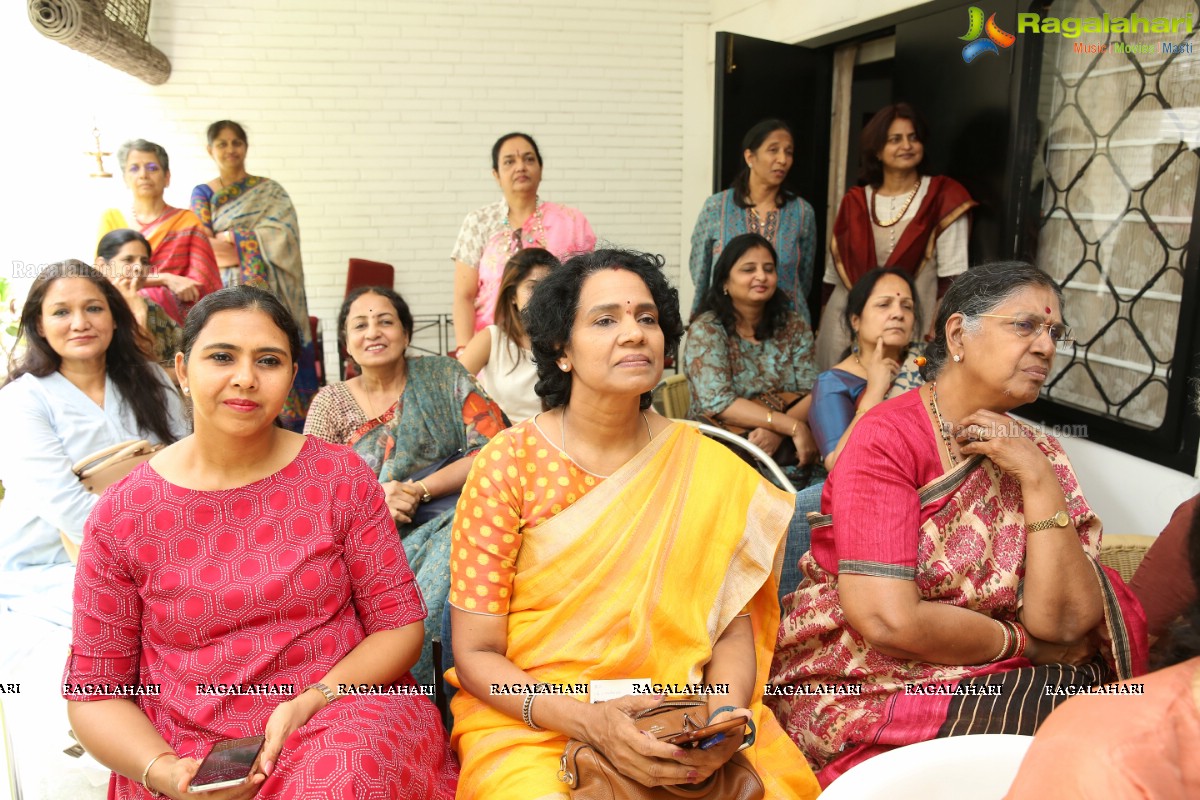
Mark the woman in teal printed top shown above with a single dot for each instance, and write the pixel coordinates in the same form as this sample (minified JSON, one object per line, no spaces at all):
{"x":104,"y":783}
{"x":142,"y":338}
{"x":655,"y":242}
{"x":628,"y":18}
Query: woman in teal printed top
{"x":749,"y":357}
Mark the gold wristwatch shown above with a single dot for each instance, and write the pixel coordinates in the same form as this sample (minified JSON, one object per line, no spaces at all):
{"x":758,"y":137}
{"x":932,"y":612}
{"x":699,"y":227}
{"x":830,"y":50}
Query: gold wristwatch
{"x":1059,"y":520}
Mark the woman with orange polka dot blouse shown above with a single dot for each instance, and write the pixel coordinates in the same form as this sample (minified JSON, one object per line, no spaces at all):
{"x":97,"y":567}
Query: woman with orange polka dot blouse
{"x":601,"y":541}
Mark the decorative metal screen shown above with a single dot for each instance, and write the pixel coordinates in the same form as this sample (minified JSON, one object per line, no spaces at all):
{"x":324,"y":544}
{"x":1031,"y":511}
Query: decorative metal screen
{"x":1120,"y":170}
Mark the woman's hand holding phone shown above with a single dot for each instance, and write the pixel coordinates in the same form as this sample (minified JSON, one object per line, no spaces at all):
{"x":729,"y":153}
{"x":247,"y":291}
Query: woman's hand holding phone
{"x":182,"y":770}
{"x":286,"y":719}
{"x":705,"y":760}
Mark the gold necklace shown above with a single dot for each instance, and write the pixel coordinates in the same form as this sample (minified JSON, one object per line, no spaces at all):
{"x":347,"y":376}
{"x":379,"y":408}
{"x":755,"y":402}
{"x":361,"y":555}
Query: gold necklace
{"x":942,"y":426}
{"x":370,"y":410}
{"x":907,"y":202}
{"x":563,"y":432}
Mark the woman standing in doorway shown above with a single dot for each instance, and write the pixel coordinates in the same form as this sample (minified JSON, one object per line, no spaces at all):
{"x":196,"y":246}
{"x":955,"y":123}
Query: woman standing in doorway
{"x":897,"y":217}
{"x":758,"y":203}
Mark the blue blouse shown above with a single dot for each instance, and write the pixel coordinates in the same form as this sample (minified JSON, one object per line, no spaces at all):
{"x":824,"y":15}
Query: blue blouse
{"x":834,"y":403}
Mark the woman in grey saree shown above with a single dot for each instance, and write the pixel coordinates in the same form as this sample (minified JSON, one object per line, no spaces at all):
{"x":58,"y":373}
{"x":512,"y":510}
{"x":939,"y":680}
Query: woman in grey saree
{"x":255,"y":235}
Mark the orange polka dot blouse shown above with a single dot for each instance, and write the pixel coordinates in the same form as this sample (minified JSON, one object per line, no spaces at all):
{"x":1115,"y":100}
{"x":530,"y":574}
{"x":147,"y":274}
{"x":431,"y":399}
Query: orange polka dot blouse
{"x":518,"y":481}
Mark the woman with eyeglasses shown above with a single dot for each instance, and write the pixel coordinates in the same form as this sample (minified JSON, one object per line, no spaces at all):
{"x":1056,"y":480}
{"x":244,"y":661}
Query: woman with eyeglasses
{"x":953,"y":571}
{"x":491,"y":235}
{"x":182,"y":265}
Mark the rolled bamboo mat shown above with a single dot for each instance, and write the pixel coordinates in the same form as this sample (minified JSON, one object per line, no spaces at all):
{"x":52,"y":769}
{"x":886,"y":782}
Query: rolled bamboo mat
{"x":82,"y":25}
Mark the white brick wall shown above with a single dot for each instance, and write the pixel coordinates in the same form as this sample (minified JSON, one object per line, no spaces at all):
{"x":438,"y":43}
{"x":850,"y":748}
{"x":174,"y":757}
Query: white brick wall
{"x":377,"y":115}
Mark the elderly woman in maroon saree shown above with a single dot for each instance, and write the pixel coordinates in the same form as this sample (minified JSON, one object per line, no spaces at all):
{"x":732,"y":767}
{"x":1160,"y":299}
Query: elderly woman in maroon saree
{"x":952,"y":586}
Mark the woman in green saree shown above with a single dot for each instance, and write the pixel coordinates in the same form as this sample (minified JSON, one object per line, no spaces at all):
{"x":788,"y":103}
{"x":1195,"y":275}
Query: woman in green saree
{"x":415,"y":421}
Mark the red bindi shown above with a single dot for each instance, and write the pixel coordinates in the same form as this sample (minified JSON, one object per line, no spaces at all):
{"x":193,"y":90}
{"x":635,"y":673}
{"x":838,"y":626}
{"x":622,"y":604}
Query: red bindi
{"x":1047,"y":309}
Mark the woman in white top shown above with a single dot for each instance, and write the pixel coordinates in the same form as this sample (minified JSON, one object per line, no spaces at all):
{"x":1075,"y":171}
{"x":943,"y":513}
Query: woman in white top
{"x":501,"y":350}
{"x":898,"y":217}
{"x":83,"y":383}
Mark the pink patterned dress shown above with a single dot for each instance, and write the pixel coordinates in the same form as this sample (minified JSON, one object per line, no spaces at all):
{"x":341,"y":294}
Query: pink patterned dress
{"x":264,"y":588}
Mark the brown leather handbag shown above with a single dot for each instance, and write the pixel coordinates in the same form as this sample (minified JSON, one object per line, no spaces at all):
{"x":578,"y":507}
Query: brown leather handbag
{"x":591,"y":776}
{"x":779,"y":402}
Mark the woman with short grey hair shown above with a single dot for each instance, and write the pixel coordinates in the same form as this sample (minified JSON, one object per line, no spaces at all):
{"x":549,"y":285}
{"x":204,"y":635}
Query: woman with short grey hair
{"x":183,"y":267}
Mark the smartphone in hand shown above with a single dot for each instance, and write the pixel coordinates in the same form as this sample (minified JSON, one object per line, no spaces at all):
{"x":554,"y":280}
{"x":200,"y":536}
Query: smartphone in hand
{"x":228,"y":764}
{"x":690,"y":738}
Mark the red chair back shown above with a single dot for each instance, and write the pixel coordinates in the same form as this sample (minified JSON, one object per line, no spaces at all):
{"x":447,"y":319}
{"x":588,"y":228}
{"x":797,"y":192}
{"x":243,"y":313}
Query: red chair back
{"x":363,"y":272}
{"x":314,"y":326}
{"x":369,"y":273}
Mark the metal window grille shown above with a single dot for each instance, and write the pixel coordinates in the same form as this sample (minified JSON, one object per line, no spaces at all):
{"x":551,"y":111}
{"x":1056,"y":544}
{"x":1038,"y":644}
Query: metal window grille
{"x":1119,"y":168}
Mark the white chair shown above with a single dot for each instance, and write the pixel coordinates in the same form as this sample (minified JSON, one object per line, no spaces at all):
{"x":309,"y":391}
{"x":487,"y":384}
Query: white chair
{"x":764,"y":462}
{"x":979,"y":767}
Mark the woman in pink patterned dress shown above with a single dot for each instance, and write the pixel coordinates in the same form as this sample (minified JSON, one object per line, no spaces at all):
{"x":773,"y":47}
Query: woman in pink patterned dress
{"x":952,"y":586}
{"x":491,"y":235}
{"x":246,"y":581}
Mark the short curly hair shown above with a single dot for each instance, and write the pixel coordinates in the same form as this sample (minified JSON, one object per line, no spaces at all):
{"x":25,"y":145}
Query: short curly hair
{"x":551,"y":311}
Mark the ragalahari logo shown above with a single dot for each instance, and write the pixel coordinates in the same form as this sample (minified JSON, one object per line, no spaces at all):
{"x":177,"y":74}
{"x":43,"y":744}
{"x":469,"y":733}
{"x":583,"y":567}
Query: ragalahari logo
{"x":997,"y":38}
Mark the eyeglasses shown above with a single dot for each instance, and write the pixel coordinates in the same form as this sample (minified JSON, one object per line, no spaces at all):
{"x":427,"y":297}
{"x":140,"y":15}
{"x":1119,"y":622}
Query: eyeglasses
{"x":1028,"y":326}
{"x":150,"y":167}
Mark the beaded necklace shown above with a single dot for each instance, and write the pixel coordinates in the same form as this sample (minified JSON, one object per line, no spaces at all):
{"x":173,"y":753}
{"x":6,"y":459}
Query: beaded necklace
{"x":942,"y":426}
{"x":538,"y":235}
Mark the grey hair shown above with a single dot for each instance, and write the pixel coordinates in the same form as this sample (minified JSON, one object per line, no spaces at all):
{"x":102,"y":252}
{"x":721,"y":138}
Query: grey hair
{"x":980,"y":290}
{"x":142,"y":146}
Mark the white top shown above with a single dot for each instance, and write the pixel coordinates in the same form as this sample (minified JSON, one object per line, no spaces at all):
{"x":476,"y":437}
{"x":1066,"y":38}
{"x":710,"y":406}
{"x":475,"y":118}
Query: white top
{"x":509,"y":379}
{"x":50,"y":424}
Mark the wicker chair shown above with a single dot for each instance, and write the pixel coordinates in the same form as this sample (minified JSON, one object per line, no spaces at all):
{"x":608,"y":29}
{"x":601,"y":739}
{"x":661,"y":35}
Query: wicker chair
{"x":1124,"y":551}
{"x":672,"y":398}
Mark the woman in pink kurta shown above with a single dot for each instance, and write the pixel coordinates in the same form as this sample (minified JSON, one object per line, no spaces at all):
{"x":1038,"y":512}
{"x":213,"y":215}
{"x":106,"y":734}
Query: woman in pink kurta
{"x":491,"y":235}
{"x":231,"y":607}
{"x":562,"y":230}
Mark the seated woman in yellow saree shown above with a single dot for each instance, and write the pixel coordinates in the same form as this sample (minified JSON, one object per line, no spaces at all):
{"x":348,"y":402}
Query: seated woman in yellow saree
{"x":599,"y":541}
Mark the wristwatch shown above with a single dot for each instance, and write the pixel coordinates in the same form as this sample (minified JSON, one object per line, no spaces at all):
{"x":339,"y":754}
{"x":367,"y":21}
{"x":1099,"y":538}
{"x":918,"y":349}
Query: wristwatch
{"x":1059,"y":520}
{"x":329,"y":694}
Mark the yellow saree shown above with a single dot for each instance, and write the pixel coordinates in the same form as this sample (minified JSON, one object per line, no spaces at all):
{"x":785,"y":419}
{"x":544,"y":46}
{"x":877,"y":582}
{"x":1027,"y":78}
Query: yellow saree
{"x":637,"y":579}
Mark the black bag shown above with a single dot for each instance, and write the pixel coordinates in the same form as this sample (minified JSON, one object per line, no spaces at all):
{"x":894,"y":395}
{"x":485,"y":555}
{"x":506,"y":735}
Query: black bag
{"x":426,"y":512}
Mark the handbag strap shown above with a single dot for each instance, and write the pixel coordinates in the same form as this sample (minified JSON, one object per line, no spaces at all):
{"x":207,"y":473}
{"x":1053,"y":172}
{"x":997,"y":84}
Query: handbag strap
{"x":89,"y":464}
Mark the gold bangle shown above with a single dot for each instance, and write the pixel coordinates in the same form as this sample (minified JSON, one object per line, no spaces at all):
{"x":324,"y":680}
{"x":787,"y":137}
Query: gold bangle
{"x":770,"y":416}
{"x":425,"y":498}
{"x":795,"y":427}
{"x":146,"y":772}
{"x":1004,"y":648}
